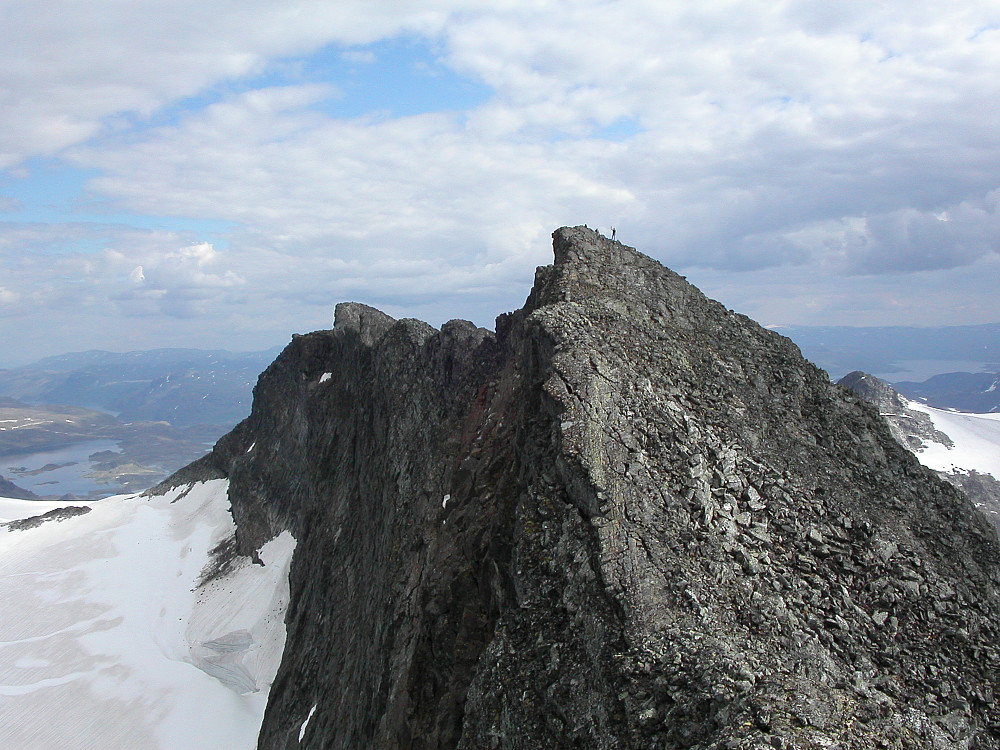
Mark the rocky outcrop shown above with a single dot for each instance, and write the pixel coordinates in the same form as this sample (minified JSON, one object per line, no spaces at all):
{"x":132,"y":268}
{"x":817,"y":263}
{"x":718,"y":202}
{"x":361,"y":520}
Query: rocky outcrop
{"x":57,"y":514}
{"x":982,"y":489}
{"x":914,"y":429}
{"x":628,"y":518}
{"x":910,"y":427}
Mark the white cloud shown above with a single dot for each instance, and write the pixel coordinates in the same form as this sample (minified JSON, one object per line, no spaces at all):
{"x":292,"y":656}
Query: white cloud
{"x":201,"y":253}
{"x":911,"y":240}
{"x":313,"y":186}
{"x":954,"y":296}
{"x":131,"y":269}
{"x":183,"y":282}
{"x":819,"y":141}
{"x":758,"y":123}
{"x":68,"y":67}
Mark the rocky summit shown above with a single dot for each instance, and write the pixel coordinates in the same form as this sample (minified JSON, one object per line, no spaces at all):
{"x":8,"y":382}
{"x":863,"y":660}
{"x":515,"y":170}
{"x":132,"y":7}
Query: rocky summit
{"x":629,"y":518}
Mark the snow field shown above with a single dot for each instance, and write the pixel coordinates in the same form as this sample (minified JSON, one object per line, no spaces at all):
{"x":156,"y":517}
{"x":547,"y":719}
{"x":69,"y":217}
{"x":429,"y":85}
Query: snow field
{"x":106,"y":640}
{"x":976,"y":438}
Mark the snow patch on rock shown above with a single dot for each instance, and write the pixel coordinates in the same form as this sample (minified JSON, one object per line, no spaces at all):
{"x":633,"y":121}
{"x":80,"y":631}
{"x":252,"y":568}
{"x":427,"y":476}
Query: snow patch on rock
{"x":305,"y":724}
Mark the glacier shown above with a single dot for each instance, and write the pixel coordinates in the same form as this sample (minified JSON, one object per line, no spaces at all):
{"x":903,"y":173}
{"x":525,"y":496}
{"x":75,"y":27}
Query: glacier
{"x":112,"y":637}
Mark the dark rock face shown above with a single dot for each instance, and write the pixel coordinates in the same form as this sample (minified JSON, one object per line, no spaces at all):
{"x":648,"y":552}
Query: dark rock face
{"x":912,"y":429}
{"x":982,"y":489}
{"x":629,"y":519}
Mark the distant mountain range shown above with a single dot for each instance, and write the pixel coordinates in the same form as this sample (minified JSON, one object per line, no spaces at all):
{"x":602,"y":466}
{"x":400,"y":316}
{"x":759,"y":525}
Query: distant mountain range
{"x":909,"y":353}
{"x":977,"y":392}
{"x":181,"y":386}
{"x":164,"y":408}
{"x":952,"y":367}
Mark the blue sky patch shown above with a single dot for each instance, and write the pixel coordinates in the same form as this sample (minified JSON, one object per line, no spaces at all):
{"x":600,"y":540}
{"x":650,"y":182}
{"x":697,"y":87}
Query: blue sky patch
{"x":398,"y":77}
{"x":620,"y":130}
{"x":54,"y":193}
{"x":395,"y":78}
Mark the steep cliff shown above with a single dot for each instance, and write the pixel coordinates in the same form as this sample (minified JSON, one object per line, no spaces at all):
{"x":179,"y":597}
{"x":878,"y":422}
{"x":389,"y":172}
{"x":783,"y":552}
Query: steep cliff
{"x":629,"y":518}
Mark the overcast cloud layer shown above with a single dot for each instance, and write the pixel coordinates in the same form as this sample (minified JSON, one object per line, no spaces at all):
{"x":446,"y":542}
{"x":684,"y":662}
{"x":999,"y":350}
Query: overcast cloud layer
{"x":221,"y":173}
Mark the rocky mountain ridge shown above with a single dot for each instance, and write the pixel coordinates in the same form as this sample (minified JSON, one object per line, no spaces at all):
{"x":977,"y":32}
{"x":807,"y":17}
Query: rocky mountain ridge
{"x":914,"y":429}
{"x":627,"y":518}
{"x":967,"y":391}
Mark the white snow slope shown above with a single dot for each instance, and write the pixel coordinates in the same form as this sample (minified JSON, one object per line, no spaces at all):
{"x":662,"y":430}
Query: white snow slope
{"x":976,"y":438}
{"x":107,"y":642}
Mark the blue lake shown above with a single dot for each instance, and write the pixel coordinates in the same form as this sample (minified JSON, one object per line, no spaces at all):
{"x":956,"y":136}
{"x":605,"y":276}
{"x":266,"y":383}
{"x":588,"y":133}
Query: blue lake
{"x":62,"y":480}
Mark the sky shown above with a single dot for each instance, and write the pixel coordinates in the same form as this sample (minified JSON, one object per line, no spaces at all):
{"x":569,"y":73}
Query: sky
{"x":220,"y":173}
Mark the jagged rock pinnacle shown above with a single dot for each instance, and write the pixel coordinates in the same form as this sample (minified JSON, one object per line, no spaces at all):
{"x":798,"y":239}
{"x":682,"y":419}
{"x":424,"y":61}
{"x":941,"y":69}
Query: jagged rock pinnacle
{"x":367,"y":322}
{"x":589,"y":266}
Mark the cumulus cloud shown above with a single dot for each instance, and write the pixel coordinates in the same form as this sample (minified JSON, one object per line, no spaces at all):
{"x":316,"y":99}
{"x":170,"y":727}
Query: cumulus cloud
{"x":67,"y":267}
{"x":70,"y":69}
{"x":838,"y":145}
{"x":177,"y":282}
{"x":913,"y":240}
{"x":954,"y":296}
{"x":754,"y":128}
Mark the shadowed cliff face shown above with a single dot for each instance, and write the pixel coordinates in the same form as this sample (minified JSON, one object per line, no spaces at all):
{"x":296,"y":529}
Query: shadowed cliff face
{"x":630,"y":518}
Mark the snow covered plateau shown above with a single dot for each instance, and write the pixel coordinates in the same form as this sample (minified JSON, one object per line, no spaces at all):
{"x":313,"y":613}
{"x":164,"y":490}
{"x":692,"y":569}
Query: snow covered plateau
{"x":115,"y":635}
